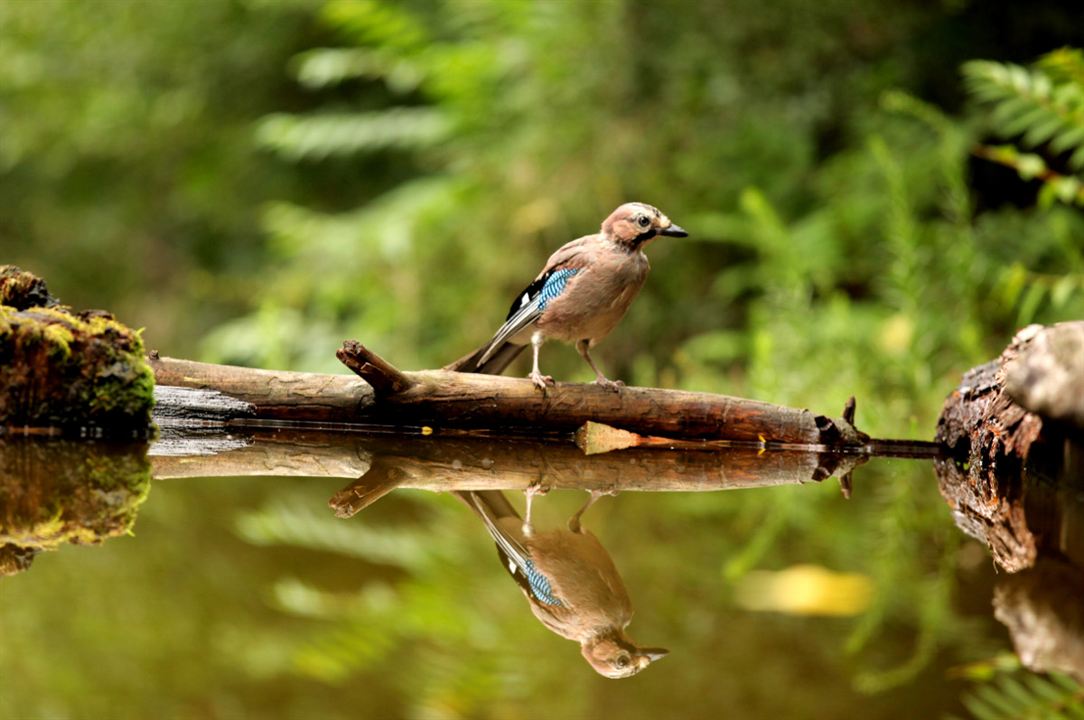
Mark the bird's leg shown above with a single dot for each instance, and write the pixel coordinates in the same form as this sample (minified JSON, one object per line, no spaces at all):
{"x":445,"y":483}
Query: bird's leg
{"x":600,"y":379}
{"x":536,"y":376}
{"x":574,"y":521}
{"x":535,"y":488}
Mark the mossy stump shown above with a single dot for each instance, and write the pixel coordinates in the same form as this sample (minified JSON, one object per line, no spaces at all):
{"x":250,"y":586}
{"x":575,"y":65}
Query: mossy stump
{"x":68,"y":371}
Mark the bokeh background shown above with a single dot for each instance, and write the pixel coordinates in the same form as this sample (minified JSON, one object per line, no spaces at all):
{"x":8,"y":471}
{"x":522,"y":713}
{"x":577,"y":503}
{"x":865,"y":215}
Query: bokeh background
{"x":253,"y":181}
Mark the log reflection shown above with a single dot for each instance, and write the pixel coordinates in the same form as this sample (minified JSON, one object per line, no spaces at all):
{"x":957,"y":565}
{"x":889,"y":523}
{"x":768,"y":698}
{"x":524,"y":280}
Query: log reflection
{"x":442,"y":464}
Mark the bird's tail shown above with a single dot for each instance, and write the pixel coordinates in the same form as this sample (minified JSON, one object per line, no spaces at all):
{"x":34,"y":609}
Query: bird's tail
{"x":494,"y":365}
{"x":490,"y":505}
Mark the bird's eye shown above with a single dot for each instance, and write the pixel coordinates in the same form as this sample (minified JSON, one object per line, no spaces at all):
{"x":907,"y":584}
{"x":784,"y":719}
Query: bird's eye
{"x":644,"y":222}
{"x":623,"y":661}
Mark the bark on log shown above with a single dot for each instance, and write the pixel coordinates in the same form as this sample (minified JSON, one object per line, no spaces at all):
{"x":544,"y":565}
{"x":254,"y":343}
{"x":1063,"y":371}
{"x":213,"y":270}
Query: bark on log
{"x":996,"y":443}
{"x":443,"y":399}
{"x":1015,"y":481}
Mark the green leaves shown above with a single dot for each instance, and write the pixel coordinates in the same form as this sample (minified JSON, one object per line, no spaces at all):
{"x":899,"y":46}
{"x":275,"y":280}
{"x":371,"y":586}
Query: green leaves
{"x":316,"y":137}
{"x":324,"y":67}
{"x":1023,"y":696}
{"x":1040,"y":107}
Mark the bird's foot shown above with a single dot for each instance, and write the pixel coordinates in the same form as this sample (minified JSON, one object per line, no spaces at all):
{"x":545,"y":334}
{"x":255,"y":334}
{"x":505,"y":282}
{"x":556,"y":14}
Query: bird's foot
{"x":540,"y":380}
{"x":612,"y":385}
{"x":596,"y":493}
{"x":537,"y":487}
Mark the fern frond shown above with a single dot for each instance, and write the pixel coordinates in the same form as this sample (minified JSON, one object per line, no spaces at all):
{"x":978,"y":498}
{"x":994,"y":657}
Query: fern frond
{"x":1041,"y":106}
{"x":313,"y":529}
{"x":319,"y":136}
{"x":325,"y":67}
{"x":1012,"y":696}
{"x":1064,"y":65}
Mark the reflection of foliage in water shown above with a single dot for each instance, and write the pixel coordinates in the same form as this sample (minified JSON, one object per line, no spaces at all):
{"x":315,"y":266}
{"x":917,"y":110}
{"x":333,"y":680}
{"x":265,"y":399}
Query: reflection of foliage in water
{"x":431,"y":608}
{"x":438,"y":602}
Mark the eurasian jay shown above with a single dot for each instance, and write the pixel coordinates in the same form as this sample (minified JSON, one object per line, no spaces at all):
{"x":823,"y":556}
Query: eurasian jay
{"x":580,"y":295}
{"x":570,"y":582}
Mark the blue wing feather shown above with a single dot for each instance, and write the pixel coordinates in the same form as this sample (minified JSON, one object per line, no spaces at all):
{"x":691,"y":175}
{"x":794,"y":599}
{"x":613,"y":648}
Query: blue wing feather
{"x":529,"y":306}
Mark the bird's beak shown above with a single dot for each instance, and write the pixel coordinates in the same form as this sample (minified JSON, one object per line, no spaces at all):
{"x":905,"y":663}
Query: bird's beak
{"x":653,"y":654}
{"x":674,"y":231}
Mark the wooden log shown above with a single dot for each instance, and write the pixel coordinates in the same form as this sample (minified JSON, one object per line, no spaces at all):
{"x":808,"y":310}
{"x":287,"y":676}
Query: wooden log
{"x":1014,"y":479}
{"x":995,"y":443}
{"x":1044,"y":371}
{"x":444,"y":399}
{"x":272,"y":395}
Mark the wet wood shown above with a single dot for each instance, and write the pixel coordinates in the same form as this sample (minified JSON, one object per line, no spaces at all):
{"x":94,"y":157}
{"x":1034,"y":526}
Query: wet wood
{"x":1044,"y":371}
{"x":994,"y":441}
{"x":192,"y":406}
{"x":1015,"y":481}
{"x":274,"y":395}
{"x":445,"y":399}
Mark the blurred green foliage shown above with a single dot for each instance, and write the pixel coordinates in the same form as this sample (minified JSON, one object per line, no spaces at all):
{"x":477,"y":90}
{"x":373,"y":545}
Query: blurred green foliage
{"x":255,"y":181}
{"x":1002,"y":689}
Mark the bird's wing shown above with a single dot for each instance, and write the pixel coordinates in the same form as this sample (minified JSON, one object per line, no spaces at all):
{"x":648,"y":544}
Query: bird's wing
{"x":509,"y":546}
{"x":583,"y":573}
{"x":562,"y":266}
{"x":517,"y":559}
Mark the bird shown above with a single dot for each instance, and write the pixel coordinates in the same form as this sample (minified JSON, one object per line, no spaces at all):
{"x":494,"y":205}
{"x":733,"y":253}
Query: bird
{"x":569,"y":581}
{"x":581,"y":294}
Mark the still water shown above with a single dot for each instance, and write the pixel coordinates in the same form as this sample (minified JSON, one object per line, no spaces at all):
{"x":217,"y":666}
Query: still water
{"x":298,"y":575}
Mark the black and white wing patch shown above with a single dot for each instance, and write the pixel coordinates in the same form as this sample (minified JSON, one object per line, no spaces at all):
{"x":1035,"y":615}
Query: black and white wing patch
{"x":530,"y":304}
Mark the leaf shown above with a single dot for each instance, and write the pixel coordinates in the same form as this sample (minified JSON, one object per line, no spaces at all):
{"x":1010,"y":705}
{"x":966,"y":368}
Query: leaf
{"x":1039,"y":686}
{"x":1043,"y":131}
{"x":1063,"y":290}
{"x":1027,"y":695}
{"x":1076,"y":161}
{"x":1024,"y":121}
{"x":995,"y":698}
{"x":325,"y":67}
{"x":1068,"y":139}
{"x":1030,"y":166}
{"x":980,"y":709}
{"x":316,"y":137}
{"x":1033,"y":297}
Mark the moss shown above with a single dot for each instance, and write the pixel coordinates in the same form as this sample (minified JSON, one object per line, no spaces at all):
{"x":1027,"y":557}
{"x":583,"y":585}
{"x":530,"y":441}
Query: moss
{"x":59,"y":339}
{"x":21,"y":290}
{"x":73,"y":371}
{"x":55,"y":492}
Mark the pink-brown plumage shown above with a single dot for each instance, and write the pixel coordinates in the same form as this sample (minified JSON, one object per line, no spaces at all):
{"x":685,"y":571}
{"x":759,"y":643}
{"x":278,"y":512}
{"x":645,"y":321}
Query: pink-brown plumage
{"x":581,"y":294}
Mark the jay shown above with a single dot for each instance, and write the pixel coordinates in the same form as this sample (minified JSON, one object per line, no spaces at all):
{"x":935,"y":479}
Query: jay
{"x":580,"y":295}
{"x":570,"y":582}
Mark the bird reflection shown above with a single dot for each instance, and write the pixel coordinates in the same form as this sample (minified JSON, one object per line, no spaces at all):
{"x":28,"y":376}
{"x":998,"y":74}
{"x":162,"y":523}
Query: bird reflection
{"x":570,"y":582}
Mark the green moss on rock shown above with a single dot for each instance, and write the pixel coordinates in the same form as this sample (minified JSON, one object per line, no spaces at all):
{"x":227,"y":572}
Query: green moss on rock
{"x":21,"y":290}
{"x":68,"y":371}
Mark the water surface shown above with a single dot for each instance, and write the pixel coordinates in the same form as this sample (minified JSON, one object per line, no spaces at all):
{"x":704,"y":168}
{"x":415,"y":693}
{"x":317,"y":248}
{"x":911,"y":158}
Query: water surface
{"x":238,"y":592}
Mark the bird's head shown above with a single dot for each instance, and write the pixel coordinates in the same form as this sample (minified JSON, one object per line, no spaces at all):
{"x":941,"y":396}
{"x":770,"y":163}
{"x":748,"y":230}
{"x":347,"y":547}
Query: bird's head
{"x":617,"y":656}
{"x":636,"y":224}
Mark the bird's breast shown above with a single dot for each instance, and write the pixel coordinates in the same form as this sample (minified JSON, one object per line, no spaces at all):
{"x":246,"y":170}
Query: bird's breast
{"x":596,"y":299}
